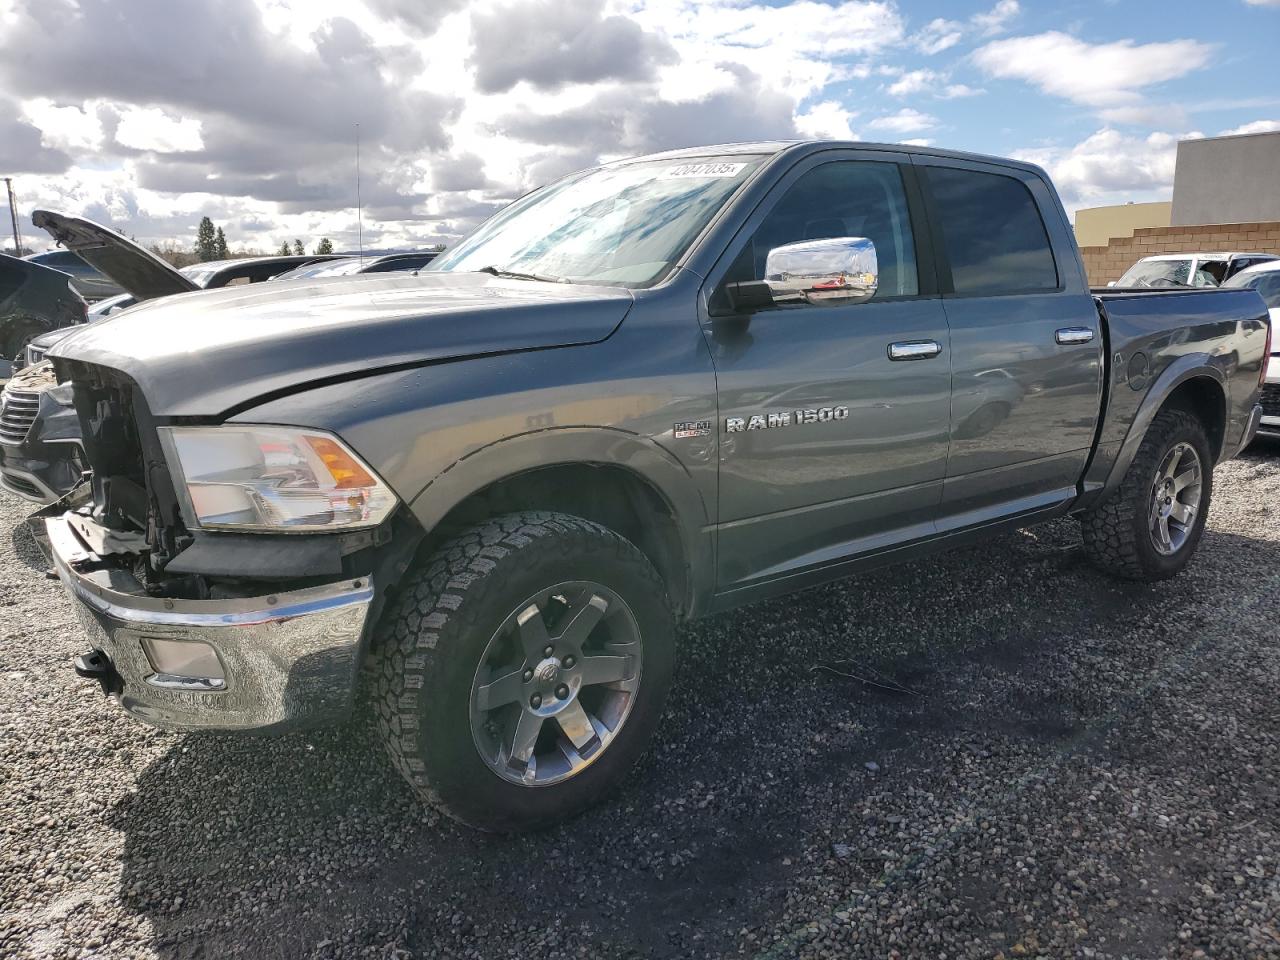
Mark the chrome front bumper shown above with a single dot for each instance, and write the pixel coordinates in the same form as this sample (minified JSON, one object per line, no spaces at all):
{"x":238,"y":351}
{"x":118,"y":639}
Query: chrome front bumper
{"x":289,"y":659}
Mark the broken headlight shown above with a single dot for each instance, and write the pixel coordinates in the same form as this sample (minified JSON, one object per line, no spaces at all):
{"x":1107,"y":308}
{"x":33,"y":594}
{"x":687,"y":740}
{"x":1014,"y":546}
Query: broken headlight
{"x":274,"y":479}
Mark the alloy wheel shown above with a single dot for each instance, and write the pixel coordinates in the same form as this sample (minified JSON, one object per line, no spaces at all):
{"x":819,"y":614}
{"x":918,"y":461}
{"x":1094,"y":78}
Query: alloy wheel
{"x":556,"y":683}
{"x":1175,"y":498}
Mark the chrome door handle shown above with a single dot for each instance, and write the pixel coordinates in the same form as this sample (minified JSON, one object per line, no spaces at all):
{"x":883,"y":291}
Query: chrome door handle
{"x":1074,"y":335}
{"x":914,"y":349}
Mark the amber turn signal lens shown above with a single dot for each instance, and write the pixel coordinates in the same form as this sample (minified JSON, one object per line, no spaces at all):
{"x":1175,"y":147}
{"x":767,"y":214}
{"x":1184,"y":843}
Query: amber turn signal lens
{"x":346,"y":472}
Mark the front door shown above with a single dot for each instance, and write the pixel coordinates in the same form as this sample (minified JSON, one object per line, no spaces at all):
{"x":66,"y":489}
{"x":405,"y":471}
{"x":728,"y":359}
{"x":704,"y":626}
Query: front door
{"x":828,"y":447}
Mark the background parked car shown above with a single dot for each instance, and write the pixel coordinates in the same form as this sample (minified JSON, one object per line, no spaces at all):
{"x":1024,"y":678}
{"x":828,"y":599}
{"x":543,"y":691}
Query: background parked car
{"x":1189,"y":269}
{"x":89,"y":282}
{"x":217,"y":273}
{"x":387,"y":263}
{"x":33,"y":299}
{"x":1265,"y":278}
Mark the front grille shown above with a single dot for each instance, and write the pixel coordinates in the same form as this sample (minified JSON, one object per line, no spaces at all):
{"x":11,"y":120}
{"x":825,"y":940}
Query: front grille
{"x":18,"y":411}
{"x":1271,"y":400}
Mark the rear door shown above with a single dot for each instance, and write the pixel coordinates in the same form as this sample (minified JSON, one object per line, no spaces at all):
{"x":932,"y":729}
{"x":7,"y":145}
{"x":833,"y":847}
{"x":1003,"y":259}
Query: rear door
{"x":828,"y":446}
{"x":1026,"y":341}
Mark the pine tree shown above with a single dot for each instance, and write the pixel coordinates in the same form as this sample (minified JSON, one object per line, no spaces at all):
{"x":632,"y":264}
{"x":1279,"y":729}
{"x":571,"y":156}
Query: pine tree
{"x":206,"y":243}
{"x":298,"y":251}
{"x":284,"y":250}
{"x":220,"y":246}
{"x":324,"y":247}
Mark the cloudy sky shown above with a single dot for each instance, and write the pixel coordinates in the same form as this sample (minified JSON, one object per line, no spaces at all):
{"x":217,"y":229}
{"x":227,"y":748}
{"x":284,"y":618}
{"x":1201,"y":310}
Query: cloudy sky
{"x":148,"y":114}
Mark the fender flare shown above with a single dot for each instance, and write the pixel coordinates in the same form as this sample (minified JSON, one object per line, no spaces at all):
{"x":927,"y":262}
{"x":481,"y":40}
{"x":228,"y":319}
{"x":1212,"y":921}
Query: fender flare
{"x":566,"y":446}
{"x":1189,"y":367}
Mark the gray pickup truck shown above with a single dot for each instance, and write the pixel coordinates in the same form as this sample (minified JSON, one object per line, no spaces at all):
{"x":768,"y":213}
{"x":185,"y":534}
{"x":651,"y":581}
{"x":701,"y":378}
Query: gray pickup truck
{"x":479,"y":500}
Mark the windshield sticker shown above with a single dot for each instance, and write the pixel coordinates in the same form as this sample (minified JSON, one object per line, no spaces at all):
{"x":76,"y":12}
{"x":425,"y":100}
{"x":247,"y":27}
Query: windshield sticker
{"x":702,"y":170}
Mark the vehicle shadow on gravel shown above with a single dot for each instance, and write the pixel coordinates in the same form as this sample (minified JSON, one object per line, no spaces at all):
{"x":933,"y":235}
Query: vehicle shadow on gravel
{"x":309,"y":845}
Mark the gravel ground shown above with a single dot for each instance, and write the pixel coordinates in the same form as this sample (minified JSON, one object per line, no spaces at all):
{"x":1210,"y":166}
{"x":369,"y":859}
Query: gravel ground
{"x":1082,"y":768}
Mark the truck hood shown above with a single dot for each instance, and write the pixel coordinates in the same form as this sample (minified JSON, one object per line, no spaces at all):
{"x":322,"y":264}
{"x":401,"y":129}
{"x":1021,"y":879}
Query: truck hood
{"x":233,"y":346}
{"x":137,"y":270}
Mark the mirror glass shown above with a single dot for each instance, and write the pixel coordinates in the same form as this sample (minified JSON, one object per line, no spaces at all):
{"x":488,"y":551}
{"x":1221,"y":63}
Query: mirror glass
{"x":838,"y":270}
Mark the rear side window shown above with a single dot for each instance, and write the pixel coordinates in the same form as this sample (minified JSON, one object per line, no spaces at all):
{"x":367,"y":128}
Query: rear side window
{"x":992,"y":232}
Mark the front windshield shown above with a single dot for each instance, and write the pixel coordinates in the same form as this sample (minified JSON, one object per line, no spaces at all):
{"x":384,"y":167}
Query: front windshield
{"x":1157,"y":273}
{"x":622,"y":225}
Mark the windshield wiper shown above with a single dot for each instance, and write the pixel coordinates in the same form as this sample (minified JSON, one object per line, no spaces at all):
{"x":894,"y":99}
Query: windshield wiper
{"x":517,"y":275}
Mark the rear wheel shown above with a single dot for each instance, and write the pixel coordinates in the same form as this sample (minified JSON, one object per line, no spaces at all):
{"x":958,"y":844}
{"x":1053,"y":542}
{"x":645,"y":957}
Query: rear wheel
{"x":1149,"y":528}
{"x":524,"y":668}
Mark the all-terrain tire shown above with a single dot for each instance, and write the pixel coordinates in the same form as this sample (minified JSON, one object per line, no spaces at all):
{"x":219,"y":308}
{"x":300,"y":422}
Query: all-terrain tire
{"x":435,"y":635}
{"x":1117,"y":534}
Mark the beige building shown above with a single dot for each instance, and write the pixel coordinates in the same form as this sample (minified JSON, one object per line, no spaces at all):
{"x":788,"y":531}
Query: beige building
{"x":1098,"y":225}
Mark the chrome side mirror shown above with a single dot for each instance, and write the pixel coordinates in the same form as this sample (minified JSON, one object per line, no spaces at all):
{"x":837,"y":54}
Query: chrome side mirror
{"x":836,"y":271}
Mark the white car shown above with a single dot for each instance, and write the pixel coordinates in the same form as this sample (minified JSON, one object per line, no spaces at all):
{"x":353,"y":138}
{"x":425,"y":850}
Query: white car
{"x":1265,"y":278}
{"x":1189,"y":269}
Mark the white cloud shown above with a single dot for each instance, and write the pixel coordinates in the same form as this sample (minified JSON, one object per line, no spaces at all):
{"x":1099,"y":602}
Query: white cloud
{"x":1257,"y":126}
{"x":1097,"y":75}
{"x":149,"y":128}
{"x":939,"y":35}
{"x":826,"y":120}
{"x":906,"y":120}
{"x":1263,"y":3}
{"x":930,"y":83}
{"x":1111,"y":167}
{"x":942,"y":34}
{"x":915,"y":81}
{"x":997,"y":19}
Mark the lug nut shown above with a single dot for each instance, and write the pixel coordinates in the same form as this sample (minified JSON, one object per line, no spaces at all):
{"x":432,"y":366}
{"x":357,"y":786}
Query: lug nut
{"x":562,"y":692}
{"x":569,"y":662}
{"x":528,"y":675}
{"x":548,"y":651}
{"x":535,"y":701}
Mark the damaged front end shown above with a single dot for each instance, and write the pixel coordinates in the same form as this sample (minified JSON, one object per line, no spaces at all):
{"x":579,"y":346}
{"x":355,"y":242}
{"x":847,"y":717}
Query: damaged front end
{"x":194,"y":628}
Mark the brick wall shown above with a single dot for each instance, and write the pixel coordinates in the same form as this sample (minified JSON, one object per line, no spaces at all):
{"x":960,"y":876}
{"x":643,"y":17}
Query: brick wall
{"x":1104,"y":264}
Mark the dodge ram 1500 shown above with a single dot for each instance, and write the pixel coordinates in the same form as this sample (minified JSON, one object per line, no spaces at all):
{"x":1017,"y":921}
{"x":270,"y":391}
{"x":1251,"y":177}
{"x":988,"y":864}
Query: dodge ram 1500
{"x":649,"y":391}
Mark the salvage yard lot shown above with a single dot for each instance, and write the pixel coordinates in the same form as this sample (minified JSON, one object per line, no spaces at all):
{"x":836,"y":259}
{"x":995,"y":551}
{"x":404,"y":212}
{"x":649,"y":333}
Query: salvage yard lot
{"x":1084,"y":768}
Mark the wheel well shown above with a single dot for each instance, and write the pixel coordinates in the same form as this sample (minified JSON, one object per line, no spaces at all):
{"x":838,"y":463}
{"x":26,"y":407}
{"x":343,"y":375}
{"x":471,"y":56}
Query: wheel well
{"x":1203,"y":398}
{"x":612,"y":496}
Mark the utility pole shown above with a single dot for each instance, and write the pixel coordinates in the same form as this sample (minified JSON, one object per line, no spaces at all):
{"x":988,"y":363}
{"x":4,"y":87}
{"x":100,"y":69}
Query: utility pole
{"x":13,"y":214}
{"x":359,"y":205}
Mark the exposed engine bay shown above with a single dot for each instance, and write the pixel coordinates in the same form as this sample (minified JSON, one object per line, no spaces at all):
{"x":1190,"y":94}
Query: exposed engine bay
{"x":129,"y":514}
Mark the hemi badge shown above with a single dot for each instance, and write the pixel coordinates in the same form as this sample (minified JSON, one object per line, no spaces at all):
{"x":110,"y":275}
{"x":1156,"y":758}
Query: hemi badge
{"x":691,"y":428}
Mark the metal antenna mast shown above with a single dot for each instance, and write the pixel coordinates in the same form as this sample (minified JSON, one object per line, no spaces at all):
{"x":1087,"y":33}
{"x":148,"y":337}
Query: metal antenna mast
{"x":13,"y":214}
{"x":359,"y":204}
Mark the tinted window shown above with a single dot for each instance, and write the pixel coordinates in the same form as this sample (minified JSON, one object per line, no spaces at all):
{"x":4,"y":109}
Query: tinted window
{"x":992,"y":232}
{"x":843,"y":199}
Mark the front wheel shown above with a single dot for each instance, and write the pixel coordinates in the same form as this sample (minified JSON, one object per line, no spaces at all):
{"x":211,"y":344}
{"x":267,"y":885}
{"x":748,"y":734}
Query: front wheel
{"x":1149,"y":528}
{"x":523,"y":669}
